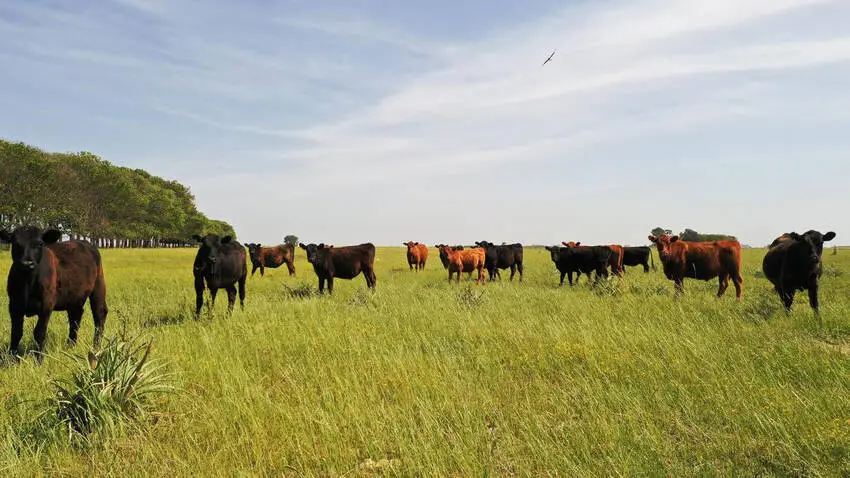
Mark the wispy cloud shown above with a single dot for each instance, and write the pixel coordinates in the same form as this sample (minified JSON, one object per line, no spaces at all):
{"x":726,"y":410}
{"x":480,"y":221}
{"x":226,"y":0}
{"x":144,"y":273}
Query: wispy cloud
{"x":293,"y":102}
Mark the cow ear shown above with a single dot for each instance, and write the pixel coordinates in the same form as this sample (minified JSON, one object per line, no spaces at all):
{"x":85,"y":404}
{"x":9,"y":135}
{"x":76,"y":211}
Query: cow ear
{"x":197,"y":238}
{"x":415,"y":243}
{"x":5,"y":236}
{"x":51,"y":236}
{"x":829,"y":236}
{"x":302,"y":246}
{"x":674,"y":238}
{"x":653,"y":239}
{"x":578,"y":243}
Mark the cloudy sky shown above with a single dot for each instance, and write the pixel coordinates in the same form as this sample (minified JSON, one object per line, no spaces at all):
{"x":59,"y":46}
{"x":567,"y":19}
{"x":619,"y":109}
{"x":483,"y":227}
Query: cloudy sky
{"x":357,"y":120}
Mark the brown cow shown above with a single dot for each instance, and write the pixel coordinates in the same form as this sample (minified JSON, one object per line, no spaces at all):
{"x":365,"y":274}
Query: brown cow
{"x":47,"y":276}
{"x":272,"y":257}
{"x":615,"y":260}
{"x":465,"y":260}
{"x":701,"y":260}
{"x":417,"y":255}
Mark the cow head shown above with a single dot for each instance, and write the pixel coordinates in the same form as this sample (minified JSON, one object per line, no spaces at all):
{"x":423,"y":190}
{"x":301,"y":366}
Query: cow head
{"x":253,"y":251}
{"x":810,"y":243}
{"x":570,"y":244}
{"x":207,"y":258}
{"x":485,"y":244}
{"x":663,"y":243}
{"x":555,"y":252}
{"x":28,"y":245}
{"x":314,"y":251}
{"x":410,"y":245}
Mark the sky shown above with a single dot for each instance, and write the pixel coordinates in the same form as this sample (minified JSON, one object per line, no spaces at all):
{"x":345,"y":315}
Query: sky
{"x":352,"y":121}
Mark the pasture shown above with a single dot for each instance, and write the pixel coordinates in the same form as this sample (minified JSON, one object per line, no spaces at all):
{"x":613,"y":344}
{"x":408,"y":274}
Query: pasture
{"x":423,"y":377}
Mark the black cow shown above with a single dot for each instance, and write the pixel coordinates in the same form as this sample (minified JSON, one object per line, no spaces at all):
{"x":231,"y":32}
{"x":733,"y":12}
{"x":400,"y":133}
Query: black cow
{"x":221,"y":262}
{"x":345,"y":262}
{"x":502,"y":257}
{"x":793,"y":262}
{"x":638,"y":256}
{"x":580,"y":259}
{"x":47,"y":276}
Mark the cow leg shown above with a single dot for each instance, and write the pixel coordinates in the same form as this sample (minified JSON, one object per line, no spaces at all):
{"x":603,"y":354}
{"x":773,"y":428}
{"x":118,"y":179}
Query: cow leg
{"x":199,"y":296}
{"x":411,"y":266}
{"x":40,"y":332}
{"x":321,"y":285}
{"x":723,"y":283}
{"x":75,"y":316}
{"x":97,"y":302}
{"x":519,"y":269}
{"x":231,"y":297}
{"x":513,"y":271}
{"x":291,"y":268}
{"x":253,"y":270}
{"x":738,"y":282}
{"x":813,"y":296}
{"x":562,"y":278}
{"x":679,"y":285}
{"x":330,"y":285}
{"x":242,"y":292}
{"x":262,"y":270}
{"x":570,"y":278}
{"x":17,"y":330}
{"x":645,"y":268}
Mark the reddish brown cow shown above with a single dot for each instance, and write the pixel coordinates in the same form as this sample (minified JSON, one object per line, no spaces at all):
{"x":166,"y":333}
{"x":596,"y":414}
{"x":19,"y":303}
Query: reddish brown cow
{"x":615,"y":260}
{"x":417,"y":255}
{"x":701,"y":260}
{"x":465,"y":260}
{"x":272,"y":257}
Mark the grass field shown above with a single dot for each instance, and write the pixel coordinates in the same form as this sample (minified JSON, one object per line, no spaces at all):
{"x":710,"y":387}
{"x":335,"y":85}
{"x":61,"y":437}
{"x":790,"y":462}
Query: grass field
{"x":431,"y":379}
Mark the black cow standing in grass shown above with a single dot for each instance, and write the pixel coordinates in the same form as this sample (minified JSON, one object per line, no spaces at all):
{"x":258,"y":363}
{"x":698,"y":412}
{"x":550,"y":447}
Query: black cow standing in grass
{"x":345,"y":262}
{"x":638,"y":256}
{"x":506,"y":256}
{"x":47,"y":276}
{"x":221,"y":263}
{"x":793,"y":262}
{"x":580,"y":259}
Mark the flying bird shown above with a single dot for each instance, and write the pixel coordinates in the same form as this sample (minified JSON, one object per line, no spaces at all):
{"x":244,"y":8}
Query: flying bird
{"x":550,"y":57}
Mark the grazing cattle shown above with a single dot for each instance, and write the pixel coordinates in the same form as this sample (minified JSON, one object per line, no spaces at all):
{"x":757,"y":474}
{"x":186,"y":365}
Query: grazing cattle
{"x":615,"y":260}
{"x":701,"y":260}
{"x":465,"y":260}
{"x":220,"y":262}
{"x":417,"y":255}
{"x":580,"y":259}
{"x":793,"y":262}
{"x":636,"y":256}
{"x":271,"y":257}
{"x":345,"y":262}
{"x":47,"y":276}
{"x":502,"y":257}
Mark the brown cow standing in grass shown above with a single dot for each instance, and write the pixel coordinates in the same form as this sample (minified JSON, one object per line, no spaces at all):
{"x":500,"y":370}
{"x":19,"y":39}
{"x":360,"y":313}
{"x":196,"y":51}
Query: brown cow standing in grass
{"x":272,"y":257}
{"x":417,"y":255}
{"x":345,"y":262}
{"x":47,"y":276}
{"x":615,"y":260}
{"x":701,"y":260}
{"x":465,"y":260}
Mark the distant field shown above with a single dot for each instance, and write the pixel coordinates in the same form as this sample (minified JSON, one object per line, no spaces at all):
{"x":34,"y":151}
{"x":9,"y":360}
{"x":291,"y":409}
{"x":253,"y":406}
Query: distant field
{"x":448,"y":380}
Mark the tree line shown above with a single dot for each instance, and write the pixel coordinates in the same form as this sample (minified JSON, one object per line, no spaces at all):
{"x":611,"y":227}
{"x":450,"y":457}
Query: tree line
{"x":87,"y":197}
{"x":691,"y":235}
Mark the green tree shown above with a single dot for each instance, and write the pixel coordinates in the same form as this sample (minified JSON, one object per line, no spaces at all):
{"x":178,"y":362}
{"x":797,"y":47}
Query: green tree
{"x":291,"y":240}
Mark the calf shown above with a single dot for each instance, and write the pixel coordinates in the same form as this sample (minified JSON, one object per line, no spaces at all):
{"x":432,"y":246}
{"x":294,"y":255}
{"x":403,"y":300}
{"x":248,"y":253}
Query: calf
{"x":580,"y":259}
{"x":635,"y":256}
{"x":220,"y":262}
{"x":793,"y":262}
{"x":47,"y":276}
{"x":701,"y":260}
{"x":272,"y":257}
{"x":345,"y":262}
{"x":417,"y":255}
{"x":465,"y":260}
{"x":502,"y":257}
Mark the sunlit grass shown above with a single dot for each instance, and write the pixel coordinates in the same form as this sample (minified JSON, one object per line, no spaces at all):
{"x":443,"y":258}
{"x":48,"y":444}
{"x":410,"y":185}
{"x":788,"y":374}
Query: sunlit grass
{"x":426,"y":377}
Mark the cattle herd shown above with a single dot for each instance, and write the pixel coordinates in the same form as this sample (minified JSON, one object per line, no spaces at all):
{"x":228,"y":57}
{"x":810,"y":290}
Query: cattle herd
{"x":49,"y":275}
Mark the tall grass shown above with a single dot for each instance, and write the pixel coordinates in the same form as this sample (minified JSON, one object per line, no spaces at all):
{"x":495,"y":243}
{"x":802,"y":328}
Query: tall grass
{"x":430,"y":378}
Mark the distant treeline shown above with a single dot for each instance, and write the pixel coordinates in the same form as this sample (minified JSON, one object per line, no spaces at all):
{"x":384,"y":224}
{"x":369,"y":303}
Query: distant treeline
{"x":87,"y":197}
{"x":691,"y":235}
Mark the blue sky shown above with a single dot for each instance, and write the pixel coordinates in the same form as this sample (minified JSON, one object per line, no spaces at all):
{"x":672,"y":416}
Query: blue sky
{"x":354,"y":121}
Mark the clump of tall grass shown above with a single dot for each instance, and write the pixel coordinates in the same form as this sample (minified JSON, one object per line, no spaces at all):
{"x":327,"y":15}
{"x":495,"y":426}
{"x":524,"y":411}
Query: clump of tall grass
{"x":106,"y":393}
